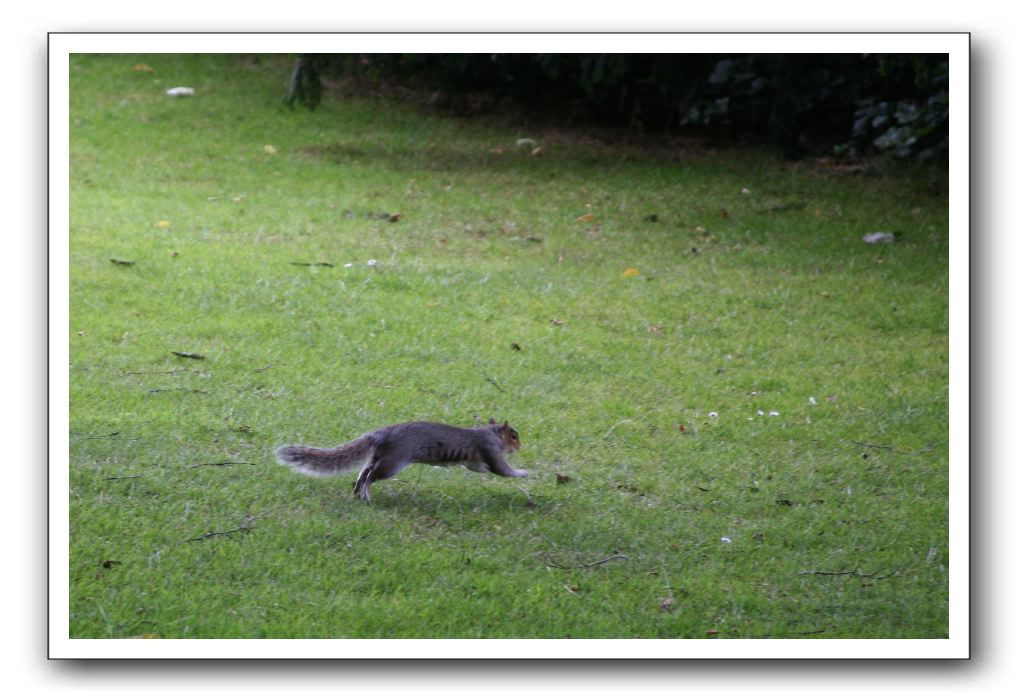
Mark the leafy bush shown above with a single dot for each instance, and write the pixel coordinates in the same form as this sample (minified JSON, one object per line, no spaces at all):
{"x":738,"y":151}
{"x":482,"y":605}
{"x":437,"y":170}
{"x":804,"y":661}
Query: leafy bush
{"x":854,"y":103}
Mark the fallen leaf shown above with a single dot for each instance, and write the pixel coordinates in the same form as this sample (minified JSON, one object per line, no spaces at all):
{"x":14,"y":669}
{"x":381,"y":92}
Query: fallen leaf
{"x":725,"y":214}
{"x":632,"y":271}
{"x":515,"y":346}
{"x":558,"y":323}
{"x":651,"y":218}
{"x":163,"y":224}
{"x":713,"y":632}
{"x":655,"y":329}
{"x":585,"y":217}
{"x":146,"y":635}
{"x":560,"y":478}
{"x":269,"y":149}
{"x":394,"y":217}
{"x":535,"y":239}
{"x":186,"y":354}
{"x":142,"y":67}
{"x":125,"y":263}
{"x":536,"y":151}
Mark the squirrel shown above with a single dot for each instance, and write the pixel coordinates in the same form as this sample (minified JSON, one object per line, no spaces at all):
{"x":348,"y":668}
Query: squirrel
{"x":383,"y":453}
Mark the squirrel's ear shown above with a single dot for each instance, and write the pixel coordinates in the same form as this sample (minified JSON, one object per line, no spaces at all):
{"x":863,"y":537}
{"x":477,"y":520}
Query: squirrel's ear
{"x":492,"y":421}
{"x":505,"y":425}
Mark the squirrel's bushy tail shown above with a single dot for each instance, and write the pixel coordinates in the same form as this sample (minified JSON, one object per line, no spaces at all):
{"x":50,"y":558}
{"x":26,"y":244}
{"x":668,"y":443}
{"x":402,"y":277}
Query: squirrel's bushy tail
{"x":313,"y":461}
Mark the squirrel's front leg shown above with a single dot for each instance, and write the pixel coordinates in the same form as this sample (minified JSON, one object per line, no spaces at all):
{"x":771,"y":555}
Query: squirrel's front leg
{"x":498,"y":465}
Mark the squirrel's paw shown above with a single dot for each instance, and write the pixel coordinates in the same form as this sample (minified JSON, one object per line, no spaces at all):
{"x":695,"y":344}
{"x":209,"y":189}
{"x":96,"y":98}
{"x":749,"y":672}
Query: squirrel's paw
{"x":520,"y":473}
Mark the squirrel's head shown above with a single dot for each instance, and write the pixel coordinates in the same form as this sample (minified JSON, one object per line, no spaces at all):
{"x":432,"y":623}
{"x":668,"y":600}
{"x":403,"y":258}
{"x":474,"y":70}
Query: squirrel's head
{"x":509,"y":436}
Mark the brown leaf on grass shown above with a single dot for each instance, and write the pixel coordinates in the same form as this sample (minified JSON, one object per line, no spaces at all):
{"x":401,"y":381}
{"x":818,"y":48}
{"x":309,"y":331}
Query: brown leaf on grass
{"x":585,"y":217}
{"x":655,"y":329}
{"x":711,"y":633}
{"x":515,"y":346}
{"x":557,"y":323}
{"x":560,"y":478}
{"x":631,"y":272}
{"x":725,"y":213}
{"x":122,"y":262}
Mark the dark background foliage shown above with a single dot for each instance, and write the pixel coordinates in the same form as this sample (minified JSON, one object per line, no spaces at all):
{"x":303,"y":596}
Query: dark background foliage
{"x":851,"y":104}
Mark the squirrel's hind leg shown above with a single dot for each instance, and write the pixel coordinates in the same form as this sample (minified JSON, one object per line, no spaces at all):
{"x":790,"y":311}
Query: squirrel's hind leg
{"x":376,"y":470}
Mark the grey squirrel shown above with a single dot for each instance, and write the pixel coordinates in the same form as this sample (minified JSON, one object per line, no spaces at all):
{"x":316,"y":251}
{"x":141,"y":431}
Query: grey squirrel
{"x":383,"y":453}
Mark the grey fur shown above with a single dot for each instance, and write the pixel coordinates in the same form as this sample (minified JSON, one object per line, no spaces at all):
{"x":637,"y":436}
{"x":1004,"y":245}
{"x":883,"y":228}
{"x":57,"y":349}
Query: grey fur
{"x":385,"y":452}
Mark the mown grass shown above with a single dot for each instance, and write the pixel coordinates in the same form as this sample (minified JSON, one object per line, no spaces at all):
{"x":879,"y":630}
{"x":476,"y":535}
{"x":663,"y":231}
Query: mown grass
{"x":491,"y":296}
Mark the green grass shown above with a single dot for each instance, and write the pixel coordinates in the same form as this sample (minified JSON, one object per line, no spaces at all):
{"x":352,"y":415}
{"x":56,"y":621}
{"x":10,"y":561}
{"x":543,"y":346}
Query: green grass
{"x":743,"y":303}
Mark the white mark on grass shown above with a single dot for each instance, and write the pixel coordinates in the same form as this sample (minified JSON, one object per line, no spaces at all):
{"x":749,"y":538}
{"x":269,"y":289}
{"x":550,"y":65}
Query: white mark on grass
{"x":774,"y":413}
{"x":813,"y":401}
{"x":713,"y":414}
{"x":372,"y":262}
{"x":726,"y":539}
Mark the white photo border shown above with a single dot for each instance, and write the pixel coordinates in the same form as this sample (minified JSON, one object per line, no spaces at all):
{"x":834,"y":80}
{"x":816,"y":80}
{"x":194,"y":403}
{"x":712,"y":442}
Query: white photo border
{"x":957,"y":45}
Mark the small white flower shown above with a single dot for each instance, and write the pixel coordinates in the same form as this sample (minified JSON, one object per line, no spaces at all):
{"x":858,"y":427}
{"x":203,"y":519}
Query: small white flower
{"x":813,"y":401}
{"x":372,"y":262}
{"x":775,"y":413}
{"x":759,"y":412}
{"x":726,"y":539}
{"x":713,"y":414}
{"x":348,"y":265}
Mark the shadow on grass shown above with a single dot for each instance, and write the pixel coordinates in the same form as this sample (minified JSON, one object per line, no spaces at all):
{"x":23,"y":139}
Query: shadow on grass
{"x":413,"y":500}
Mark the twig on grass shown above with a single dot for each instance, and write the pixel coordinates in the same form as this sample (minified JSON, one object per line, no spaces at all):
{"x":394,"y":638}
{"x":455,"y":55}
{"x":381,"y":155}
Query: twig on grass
{"x":846,"y":573}
{"x":530,"y":500}
{"x":494,"y":384}
{"x":213,"y":534}
{"x":165,"y":372}
{"x":119,"y":478}
{"x":265,"y":368}
{"x":100,"y":437}
{"x":312,"y":264}
{"x":177,"y":389}
{"x":584,"y":565}
{"x":223,"y":463}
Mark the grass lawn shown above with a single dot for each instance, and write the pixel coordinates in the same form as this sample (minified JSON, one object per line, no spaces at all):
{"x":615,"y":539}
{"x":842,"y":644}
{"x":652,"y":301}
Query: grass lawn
{"x":733,"y":411}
